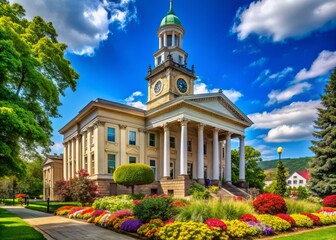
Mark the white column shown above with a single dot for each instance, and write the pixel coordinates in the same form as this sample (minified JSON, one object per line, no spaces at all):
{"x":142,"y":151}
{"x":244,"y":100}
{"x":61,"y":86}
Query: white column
{"x":173,"y":38}
{"x":165,"y":39}
{"x":123,"y":156}
{"x":200,"y":155}
{"x":73,"y":159}
{"x":65,"y":160}
{"x":142,"y":144}
{"x":184,"y":149}
{"x":78,"y":157}
{"x":69,"y":160}
{"x":215,"y":163}
{"x":242,"y":158}
{"x":228,"y":177}
{"x":166,"y":152}
{"x":160,"y":42}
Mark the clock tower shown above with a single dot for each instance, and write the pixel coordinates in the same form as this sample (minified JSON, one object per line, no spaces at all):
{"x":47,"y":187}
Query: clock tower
{"x":170,"y":77}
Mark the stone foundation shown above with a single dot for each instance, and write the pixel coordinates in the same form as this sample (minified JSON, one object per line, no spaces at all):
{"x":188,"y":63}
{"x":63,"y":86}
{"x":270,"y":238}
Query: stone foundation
{"x":176,"y":187}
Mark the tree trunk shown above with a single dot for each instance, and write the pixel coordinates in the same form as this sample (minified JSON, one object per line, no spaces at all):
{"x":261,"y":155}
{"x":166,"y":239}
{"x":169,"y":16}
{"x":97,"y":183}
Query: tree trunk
{"x":20,"y":83}
{"x":132,"y":187}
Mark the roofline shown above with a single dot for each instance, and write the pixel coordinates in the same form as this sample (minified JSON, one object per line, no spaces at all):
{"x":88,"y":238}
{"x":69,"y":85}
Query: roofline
{"x":99,"y":102}
{"x":181,"y":99}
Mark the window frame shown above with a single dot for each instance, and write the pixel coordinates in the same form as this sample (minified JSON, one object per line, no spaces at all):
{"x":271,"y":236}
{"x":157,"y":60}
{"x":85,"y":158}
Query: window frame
{"x":172,"y":142}
{"x":130,"y":140}
{"x":108,"y":161}
{"x":129,"y":159}
{"x":150,"y":141}
{"x":113,"y":136}
{"x":153,"y":167}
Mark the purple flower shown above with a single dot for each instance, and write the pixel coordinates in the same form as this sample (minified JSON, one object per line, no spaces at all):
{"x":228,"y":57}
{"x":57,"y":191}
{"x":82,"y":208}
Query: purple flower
{"x":267,"y":230}
{"x":131,"y":225}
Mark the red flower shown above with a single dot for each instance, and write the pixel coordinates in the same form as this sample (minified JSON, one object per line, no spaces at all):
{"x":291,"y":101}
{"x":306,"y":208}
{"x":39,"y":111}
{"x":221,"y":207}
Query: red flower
{"x":214,"y":222}
{"x":327,"y":209}
{"x":170,"y":221}
{"x":329,"y":201}
{"x":136,"y":201}
{"x":269,"y":203}
{"x":287,"y":218}
{"x":316,"y":220}
{"x":248,"y":218}
{"x":239,"y":198}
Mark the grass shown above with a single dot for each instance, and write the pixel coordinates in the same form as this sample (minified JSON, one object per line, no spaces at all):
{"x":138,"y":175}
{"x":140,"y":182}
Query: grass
{"x":299,"y":206}
{"x":201,"y":210}
{"x":320,"y":234}
{"x":42,"y":206}
{"x":9,"y":202}
{"x":12,"y":227}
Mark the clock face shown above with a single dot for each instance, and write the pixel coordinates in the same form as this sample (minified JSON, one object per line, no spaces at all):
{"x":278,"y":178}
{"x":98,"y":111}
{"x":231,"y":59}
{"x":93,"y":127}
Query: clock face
{"x":182,"y":85}
{"x":157,"y":87}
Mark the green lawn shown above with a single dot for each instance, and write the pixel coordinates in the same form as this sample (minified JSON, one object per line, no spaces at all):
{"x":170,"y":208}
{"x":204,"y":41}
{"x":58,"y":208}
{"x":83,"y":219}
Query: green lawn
{"x":42,"y":206}
{"x":320,"y":234}
{"x":9,"y":202}
{"x":12,"y":227}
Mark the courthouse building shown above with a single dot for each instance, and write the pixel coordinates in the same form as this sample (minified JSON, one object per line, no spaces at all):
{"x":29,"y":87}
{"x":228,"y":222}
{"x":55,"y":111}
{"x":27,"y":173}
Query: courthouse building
{"x":182,"y":136}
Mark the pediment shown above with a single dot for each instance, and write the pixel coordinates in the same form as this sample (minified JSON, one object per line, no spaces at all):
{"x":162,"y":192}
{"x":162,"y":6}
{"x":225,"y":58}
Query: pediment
{"x":221,"y":105}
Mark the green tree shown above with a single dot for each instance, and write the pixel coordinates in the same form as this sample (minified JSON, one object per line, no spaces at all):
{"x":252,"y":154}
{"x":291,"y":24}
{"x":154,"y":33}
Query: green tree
{"x":133,"y":174}
{"x":322,"y":170}
{"x":280,"y":187}
{"x":302,"y":193}
{"x":254,"y":175}
{"x":33,"y":75}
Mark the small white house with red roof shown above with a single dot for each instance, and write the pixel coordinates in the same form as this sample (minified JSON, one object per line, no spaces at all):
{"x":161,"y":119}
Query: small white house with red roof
{"x":298,"y":179}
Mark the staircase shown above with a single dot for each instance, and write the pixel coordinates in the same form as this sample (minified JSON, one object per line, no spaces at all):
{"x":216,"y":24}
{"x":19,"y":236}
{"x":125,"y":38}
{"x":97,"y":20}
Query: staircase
{"x":234,"y":191}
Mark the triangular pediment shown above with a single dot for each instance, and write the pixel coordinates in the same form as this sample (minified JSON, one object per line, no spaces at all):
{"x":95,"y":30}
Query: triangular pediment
{"x":219,"y":103}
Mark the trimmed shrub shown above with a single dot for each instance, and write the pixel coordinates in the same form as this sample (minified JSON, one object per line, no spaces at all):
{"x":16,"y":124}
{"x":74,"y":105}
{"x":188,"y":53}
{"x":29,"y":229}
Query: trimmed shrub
{"x":248,"y":218}
{"x":316,"y":220}
{"x":215,"y":223}
{"x":329,"y":201}
{"x":238,"y":229}
{"x":190,"y":230}
{"x":133,"y":174}
{"x":154,"y":207}
{"x":278,"y":224}
{"x":269,"y":203}
{"x":287,"y":218}
{"x":302,"y":220}
{"x":198,"y":191}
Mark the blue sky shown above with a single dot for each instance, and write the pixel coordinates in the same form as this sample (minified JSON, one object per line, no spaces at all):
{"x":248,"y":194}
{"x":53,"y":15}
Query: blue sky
{"x":271,"y":58}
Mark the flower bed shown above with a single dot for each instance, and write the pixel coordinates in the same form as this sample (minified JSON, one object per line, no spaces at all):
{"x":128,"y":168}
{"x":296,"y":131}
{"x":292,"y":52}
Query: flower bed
{"x":248,"y":226}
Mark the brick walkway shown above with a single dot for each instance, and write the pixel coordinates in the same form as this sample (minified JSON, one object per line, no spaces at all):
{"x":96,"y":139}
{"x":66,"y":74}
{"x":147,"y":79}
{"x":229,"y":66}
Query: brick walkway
{"x":60,"y":228}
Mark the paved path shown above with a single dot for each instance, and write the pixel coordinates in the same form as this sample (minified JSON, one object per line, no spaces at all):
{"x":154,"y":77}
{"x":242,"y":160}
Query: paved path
{"x":60,"y":228}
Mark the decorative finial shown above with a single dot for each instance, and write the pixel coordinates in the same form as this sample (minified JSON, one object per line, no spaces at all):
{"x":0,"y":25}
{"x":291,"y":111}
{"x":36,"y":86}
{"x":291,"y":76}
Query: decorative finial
{"x":171,"y":11}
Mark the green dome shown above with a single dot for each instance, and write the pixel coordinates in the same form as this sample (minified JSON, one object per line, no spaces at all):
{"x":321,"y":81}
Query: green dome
{"x":171,"y":18}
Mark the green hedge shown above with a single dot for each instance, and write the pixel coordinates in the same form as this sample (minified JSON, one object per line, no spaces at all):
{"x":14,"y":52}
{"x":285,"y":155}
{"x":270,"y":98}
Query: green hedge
{"x":133,"y":174}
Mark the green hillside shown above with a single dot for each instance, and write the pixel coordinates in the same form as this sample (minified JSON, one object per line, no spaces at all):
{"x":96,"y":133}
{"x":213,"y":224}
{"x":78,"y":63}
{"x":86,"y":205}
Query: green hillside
{"x":292,"y":164}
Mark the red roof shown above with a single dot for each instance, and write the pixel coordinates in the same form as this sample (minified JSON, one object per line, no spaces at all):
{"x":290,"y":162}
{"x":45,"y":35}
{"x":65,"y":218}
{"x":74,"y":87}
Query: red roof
{"x":304,"y":174}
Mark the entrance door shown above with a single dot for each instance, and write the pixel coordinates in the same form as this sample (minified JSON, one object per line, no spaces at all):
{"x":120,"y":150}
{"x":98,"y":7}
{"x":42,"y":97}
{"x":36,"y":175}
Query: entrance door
{"x":172,"y":169}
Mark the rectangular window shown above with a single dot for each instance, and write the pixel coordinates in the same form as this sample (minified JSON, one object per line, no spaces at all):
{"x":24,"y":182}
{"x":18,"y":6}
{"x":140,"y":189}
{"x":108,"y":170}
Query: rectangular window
{"x":159,"y":60}
{"x":111,"y":134}
{"x":152,"y":164}
{"x":92,"y":164}
{"x":110,"y":163}
{"x":86,"y":164}
{"x":132,"y":159}
{"x":294,"y":176}
{"x":189,"y":146}
{"x":92,"y":138}
{"x":289,"y":182}
{"x":180,"y":60}
{"x":132,"y":138}
{"x":295,"y":182}
{"x":301,"y":181}
{"x":189,"y":170}
{"x":204,"y":149}
{"x":169,"y":40}
{"x":223,"y":149}
{"x":172,"y":142}
{"x":85,"y":141}
{"x":152,"y":139}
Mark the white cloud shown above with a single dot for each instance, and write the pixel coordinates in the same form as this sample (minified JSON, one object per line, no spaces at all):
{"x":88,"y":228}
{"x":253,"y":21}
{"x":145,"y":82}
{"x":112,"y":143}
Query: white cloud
{"x":57,"y":147}
{"x":293,"y":122}
{"x":285,"y":133}
{"x":266,"y":76}
{"x":325,"y":62}
{"x":260,"y":62}
{"x":84,"y":24}
{"x":277,"y":96}
{"x":132,"y":102}
{"x":200,"y":87}
{"x":292,"y":114}
{"x":285,"y":19}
